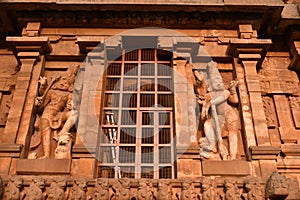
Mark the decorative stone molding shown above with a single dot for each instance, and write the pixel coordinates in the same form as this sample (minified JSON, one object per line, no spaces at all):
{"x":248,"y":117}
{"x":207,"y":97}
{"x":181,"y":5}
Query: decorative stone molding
{"x":204,"y":188}
{"x":264,"y":152}
{"x":10,"y":150}
{"x":90,"y":43}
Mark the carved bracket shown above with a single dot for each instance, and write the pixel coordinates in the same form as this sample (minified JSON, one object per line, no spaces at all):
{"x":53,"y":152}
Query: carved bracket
{"x":90,"y":43}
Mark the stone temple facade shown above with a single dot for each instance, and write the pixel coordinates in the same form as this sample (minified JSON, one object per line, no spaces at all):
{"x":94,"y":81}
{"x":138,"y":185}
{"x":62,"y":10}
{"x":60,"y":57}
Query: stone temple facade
{"x":165,"y":100}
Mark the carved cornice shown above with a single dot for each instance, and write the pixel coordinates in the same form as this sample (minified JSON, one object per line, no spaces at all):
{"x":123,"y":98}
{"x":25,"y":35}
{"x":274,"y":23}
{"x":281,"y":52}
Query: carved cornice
{"x":264,"y":152}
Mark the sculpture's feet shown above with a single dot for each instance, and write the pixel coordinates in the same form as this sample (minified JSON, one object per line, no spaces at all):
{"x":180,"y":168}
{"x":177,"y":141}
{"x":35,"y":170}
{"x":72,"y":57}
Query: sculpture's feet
{"x":44,"y":157}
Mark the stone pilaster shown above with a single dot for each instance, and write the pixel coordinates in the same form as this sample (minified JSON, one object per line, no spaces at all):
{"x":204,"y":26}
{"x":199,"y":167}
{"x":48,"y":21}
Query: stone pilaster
{"x":90,"y":84}
{"x":29,"y":51}
{"x":250,"y":53}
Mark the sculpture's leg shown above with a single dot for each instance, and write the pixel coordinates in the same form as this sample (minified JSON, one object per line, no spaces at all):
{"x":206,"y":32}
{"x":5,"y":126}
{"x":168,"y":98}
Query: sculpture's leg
{"x":68,"y":125}
{"x":233,"y":144}
{"x":46,"y":136}
{"x":210,"y":135}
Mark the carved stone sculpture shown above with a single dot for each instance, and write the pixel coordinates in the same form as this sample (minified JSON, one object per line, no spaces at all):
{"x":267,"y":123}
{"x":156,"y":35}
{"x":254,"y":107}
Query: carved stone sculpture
{"x":218,"y":107}
{"x":101,"y":189}
{"x":79,"y":190}
{"x":254,"y":189}
{"x":64,"y":145}
{"x":121,"y":189}
{"x":36,"y":189}
{"x":231,"y":190}
{"x":145,"y":191}
{"x":277,"y":186}
{"x":164,"y":190}
{"x":187,"y":190}
{"x":14,"y":189}
{"x":57,"y":189}
{"x":208,"y":190}
{"x":54,"y":115}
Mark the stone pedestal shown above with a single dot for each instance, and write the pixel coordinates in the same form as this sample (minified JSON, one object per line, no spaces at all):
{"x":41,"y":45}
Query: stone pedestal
{"x":43,"y":166}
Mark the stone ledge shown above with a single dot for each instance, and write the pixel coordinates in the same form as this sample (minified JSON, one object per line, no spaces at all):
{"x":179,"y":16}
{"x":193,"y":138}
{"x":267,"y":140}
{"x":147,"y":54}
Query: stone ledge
{"x":264,"y":152}
{"x":291,"y":149}
{"x":82,"y":151}
{"x":10,"y":150}
{"x":226,"y":168}
{"x":43,"y":166}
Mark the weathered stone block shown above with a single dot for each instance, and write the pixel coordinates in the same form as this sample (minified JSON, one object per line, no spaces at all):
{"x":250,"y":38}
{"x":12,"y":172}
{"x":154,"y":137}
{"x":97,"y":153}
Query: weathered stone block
{"x":43,"y":166}
{"x":229,"y":168}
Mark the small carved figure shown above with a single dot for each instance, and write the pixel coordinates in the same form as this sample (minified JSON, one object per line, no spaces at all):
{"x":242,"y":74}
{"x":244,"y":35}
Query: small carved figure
{"x":121,"y":189}
{"x":57,"y":189}
{"x":254,"y":189}
{"x":64,"y":145}
{"x":209,"y":190}
{"x":101,"y":189}
{"x":231,"y":190}
{"x":187,"y":190}
{"x":14,"y":189}
{"x":36,"y":189}
{"x":79,"y":190}
{"x":145,"y":191}
{"x":164,"y":191}
{"x":54,"y":112}
{"x":218,"y":107}
{"x":277,"y":186}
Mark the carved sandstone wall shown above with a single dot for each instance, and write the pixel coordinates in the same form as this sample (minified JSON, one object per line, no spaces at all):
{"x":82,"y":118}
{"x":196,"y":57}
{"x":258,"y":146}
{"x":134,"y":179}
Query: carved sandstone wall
{"x":49,"y":150}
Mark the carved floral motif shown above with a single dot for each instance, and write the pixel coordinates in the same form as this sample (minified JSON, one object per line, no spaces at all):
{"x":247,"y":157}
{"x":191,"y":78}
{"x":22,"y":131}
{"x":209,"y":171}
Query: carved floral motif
{"x":269,"y":111}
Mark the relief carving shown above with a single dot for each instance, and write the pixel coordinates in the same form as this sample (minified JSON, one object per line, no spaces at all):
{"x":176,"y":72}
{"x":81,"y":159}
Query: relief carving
{"x":14,"y":189}
{"x":269,"y":109}
{"x":36,"y":189}
{"x":79,"y":190}
{"x":295,"y":102}
{"x":121,"y":189}
{"x":101,"y":189}
{"x":57,"y":189}
{"x":187,"y":190}
{"x":209,"y":190}
{"x":254,"y":189}
{"x":295,"y":108}
{"x":219,"y":115}
{"x":277,"y":186}
{"x":145,"y":191}
{"x":231,"y":190}
{"x":55,"y":117}
{"x":164,"y":190}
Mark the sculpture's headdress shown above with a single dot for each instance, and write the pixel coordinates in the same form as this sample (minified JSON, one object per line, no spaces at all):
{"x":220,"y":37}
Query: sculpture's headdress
{"x":70,"y":74}
{"x":212,"y":71}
